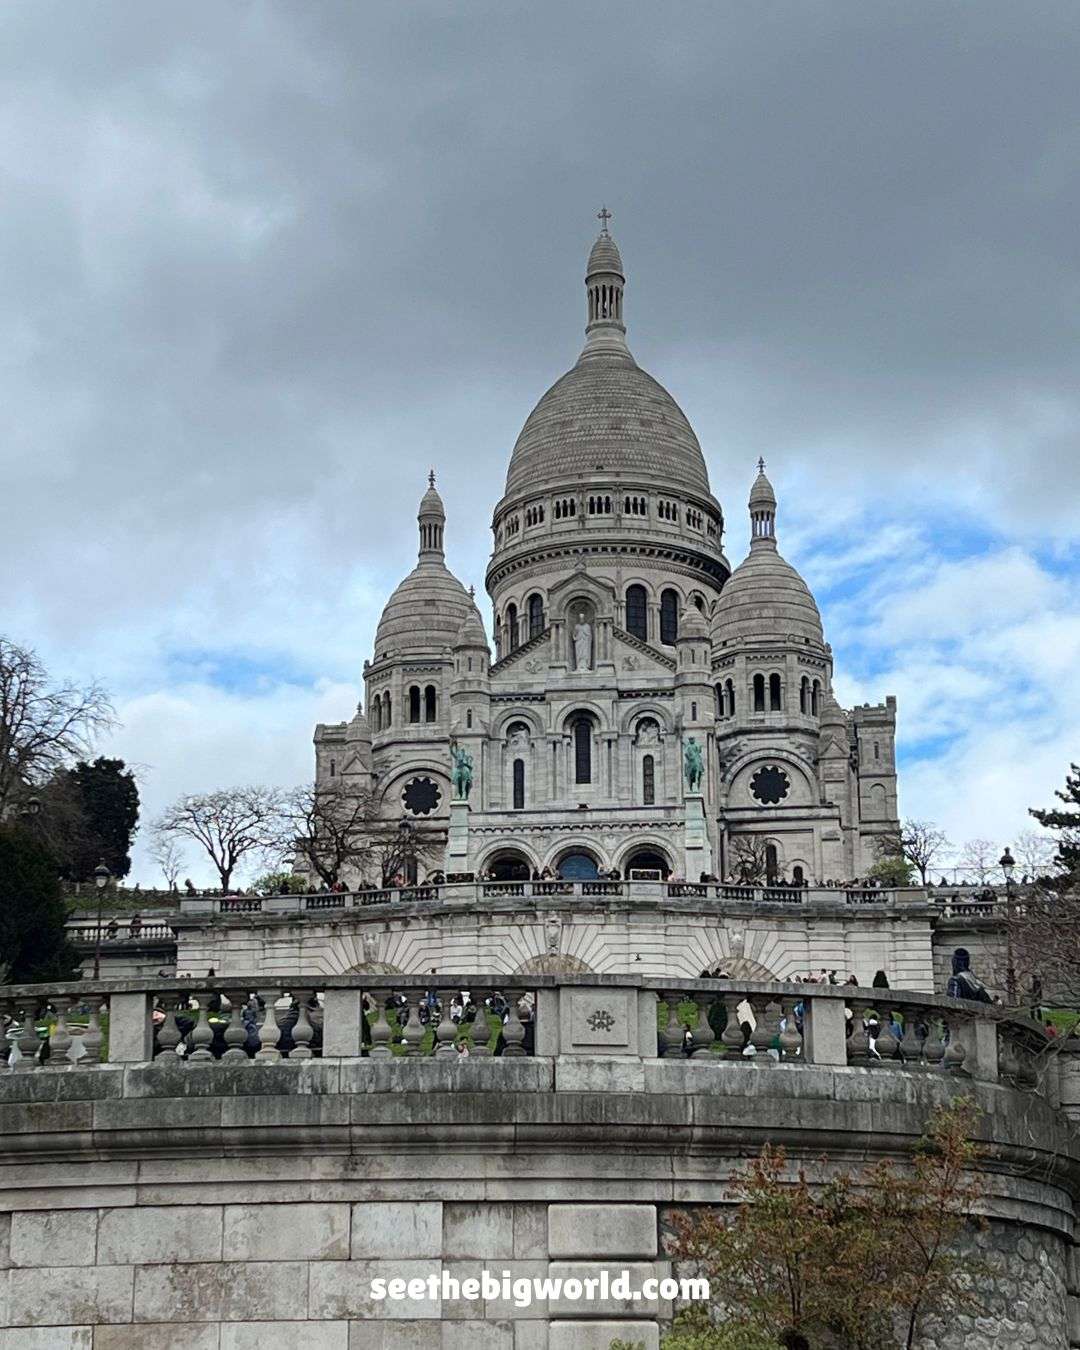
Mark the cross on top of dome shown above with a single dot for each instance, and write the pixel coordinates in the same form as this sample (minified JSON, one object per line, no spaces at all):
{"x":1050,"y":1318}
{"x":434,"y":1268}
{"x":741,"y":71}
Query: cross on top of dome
{"x":603,"y":216}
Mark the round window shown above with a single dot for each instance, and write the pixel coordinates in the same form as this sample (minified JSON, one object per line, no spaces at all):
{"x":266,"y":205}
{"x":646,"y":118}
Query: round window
{"x":421,"y":796}
{"x":770,"y":785}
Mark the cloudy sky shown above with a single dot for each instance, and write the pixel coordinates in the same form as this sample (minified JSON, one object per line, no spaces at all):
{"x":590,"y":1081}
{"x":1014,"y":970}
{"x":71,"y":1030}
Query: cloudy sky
{"x":262,"y":265}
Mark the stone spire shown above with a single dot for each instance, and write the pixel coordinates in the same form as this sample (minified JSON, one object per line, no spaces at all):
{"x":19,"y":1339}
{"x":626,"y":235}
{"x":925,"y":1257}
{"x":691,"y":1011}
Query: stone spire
{"x":432,"y":518}
{"x":604,"y":284}
{"x":762,"y":511}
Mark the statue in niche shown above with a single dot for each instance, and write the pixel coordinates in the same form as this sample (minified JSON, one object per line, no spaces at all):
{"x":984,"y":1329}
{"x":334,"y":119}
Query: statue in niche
{"x":461,"y":774}
{"x":519,"y":738}
{"x":648,"y":732}
{"x":693,"y":764}
{"x":582,"y":642}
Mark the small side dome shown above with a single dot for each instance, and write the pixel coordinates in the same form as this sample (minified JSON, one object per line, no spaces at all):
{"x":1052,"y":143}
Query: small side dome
{"x":605,"y":257}
{"x":762,"y":494}
{"x":358,"y":729}
{"x":431,"y":504}
{"x":471,"y":633}
{"x":692,"y":625}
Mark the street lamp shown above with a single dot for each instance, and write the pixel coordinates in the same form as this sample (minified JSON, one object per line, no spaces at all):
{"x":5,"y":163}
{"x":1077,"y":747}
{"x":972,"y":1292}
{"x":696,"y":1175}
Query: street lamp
{"x":1007,"y":862}
{"x":102,"y":877}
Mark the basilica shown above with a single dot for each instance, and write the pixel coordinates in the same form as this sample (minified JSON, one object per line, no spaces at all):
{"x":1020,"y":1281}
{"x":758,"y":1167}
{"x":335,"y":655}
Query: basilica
{"x":640,"y":707}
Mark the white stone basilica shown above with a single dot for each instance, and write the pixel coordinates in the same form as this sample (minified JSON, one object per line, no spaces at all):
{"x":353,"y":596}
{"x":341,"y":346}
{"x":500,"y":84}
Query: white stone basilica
{"x":624,"y":646}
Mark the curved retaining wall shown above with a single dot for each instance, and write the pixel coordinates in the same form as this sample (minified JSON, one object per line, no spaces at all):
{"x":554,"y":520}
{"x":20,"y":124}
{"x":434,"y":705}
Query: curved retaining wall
{"x":218,"y":1208}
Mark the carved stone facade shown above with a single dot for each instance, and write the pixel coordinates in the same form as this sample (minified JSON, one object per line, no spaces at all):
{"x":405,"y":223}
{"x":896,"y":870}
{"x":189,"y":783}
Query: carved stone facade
{"x":620,"y":635}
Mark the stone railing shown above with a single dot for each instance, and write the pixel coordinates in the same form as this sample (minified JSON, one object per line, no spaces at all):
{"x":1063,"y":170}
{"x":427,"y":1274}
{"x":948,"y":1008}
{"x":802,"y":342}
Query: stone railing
{"x":714,"y":1022}
{"x":113,"y":931}
{"x":472,"y":892}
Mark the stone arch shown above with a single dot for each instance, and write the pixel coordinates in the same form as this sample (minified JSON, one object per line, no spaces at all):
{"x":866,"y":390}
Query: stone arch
{"x":579,"y":706}
{"x":645,"y":844}
{"x":508,"y":852}
{"x":375,"y":968}
{"x":647,"y":708}
{"x":582,"y":844}
{"x":556,"y":964}
{"x":500,"y":723}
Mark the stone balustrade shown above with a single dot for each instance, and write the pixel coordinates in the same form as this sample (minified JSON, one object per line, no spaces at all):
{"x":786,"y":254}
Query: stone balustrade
{"x":472,"y":892}
{"x":85,"y":934}
{"x":713,"y":1023}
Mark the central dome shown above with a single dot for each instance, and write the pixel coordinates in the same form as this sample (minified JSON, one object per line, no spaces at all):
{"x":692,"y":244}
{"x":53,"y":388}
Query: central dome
{"x":606,"y":415}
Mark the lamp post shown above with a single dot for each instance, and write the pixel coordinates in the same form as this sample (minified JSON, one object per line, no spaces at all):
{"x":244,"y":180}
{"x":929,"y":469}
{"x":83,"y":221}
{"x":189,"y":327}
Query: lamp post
{"x":1007,"y":862}
{"x":102,"y":877}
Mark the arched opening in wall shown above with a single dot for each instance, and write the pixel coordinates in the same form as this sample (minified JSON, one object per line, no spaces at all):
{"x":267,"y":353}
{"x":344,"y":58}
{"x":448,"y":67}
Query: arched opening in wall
{"x":730,"y":687}
{"x":519,"y":784}
{"x":798,"y":876}
{"x":719,"y":693}
{"x":759,"y":693}
{"x":739,"y":968}
{"x":554,"y":965}
{"x":583,"y":734}
{"x":772,"y":864}
{"x":376,"y":714}
{"x":536,"y":615}
{"x":577,"y":865}
{"x":815,"y":699}
{"x":511,"y":627}
{"x":804,"y":695}
{"x":388,"y":718}
{"x":333,"y":768}
{"x":414,"y":703}
{"x":669,"y":617}
{"x":509,"y":866}
{"x":775,"y":699}
{"x":431,"y":703}
{"x":468,"y":718}
{"x":648,"y":864}
{"x":637,"y":612}
{"x":648,"y":781}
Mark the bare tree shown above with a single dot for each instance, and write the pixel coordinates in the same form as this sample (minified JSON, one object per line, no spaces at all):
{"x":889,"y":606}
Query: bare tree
{"x":920,"y":842}
{"x":399,"y":849}
{"x":1042,"y":947}
{"x":980,"y":857}
{"x":749,"y":854}
{"x":1035,"y":853}
{"x":169,"y":856}
{"x":330,"y":826}
{"x":229,"y":825}
{"x":43,"y":726}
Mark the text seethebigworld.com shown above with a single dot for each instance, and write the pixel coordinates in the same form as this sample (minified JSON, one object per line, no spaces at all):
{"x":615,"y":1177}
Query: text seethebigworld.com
{"x":524,"y":1291}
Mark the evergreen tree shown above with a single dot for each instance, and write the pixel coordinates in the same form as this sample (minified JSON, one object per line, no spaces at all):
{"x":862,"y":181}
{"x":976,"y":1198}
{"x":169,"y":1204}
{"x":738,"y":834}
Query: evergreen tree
{"x":1066,"y":826}
{"x":33,"y":940}
{"x":109,"y":799}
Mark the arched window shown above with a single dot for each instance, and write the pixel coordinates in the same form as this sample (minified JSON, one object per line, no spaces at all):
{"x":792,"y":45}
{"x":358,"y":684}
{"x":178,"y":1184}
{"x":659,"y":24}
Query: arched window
{"x":376,"y":715}
{"x":582,"y":750}
{"x":775,"y":703}
{"x":431,"y":703}
{"x":511,"y":627}
{"x":333,"y":769}
{"x":815,"y":698}
{"x":536,"y":615}
{"x":637,"y":612}
{"x":759,"y":693}
{"x":414,"y":703}
{"x":519,"y":785}
{"x":669,"y":617}
{"x":720,"y":708}
{"x":468,"y":718}
{"x":648,"y":780}
{"x":388,"y":719}
{"x":771,"y":863}
{"x":804,"y":695}
{"x":730,"y":686}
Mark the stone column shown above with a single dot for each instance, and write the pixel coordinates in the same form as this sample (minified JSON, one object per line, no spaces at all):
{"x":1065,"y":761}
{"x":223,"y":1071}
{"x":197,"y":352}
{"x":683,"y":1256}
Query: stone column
{"x":457,"y":838}
{"x":697,"y":849}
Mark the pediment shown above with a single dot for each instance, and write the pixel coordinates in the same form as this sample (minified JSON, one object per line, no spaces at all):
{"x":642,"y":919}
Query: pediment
{"x":635,"y":655}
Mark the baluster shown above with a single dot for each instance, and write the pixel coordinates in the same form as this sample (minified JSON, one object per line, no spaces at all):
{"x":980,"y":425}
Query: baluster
{"x":886,"y":1044}
{"x":446,"y":1031}
{"x":955,"y":1053}
{"x":302,"y":1031}
{"x":236,"y":1031}
{"x":934,"y":1045}
{"x":513,"y":1031}
{"x":1008,"y":1060}
{"x":28,"y":1042}
{"x":380,"y":1028}
{"x":60,"y":1037}
{"x":731,"y":1037}
{"x":92,"y":1040}
{"x":674,"y":1033}
{"x":202,"y":1035}
{"x":911,"y":1047}
{"x":168,"y":1036}
{"x":791,"y":1041}
{"x":481,"y":1027}
{"x":413,"y":1032}
{"x":858,"y":1043}
{"x":703,"y":1034}
{"x":269,"y":1032}
{"x":765,"y":1030}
